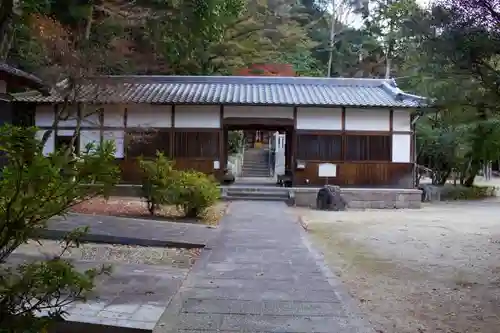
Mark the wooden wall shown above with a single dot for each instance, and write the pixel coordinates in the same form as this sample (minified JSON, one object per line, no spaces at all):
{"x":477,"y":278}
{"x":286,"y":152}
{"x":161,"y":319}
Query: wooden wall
{"x":362,"y":159}
{"x":358,"y":174}
{"x":191,"y":149}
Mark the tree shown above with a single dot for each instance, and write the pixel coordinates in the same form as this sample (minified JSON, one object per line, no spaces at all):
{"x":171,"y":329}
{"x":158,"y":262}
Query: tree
{"x":35,"y":188}
{"x":466,"y":40}
{"x":185,"y":33}
{"x":394,"y":24}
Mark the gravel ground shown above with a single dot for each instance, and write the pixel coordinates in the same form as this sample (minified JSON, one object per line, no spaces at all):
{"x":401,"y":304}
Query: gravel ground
{"x":173,"y":257}
{"x":431,"y":270}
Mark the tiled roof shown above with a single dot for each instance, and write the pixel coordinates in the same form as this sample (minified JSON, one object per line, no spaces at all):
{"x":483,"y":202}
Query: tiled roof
{"x":240,"y":90}
{"x":27,"y":79}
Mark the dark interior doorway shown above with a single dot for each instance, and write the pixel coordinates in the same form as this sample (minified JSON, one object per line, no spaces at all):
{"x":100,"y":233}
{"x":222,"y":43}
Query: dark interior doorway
{"x":258,"y":135}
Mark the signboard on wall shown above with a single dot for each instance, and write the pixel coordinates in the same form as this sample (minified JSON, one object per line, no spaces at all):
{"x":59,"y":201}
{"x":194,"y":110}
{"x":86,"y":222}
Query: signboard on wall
{"x":327,"y":170}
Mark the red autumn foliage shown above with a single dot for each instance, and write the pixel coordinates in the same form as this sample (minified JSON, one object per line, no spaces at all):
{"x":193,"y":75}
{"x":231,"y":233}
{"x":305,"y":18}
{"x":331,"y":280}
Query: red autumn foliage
{"x":267,"y":70}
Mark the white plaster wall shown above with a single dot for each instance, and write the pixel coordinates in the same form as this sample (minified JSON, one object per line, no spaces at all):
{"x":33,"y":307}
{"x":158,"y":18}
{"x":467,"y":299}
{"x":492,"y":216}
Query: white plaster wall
{"x":401,"y":148}
{"x":113,"y":115}
{"x":118,"y":138}
{"x":44,"y":115}
{"x":65,"y":132}
{"x":401,"y":120}
{"x":367,"y":119}
{"x":69,"y":113}
{"x":197,"y":116}
{"x":313,"y":118}
{"x":87,"y":137}
{"x":231,"y":111}
{"x":49,"y":145}
{"x":90,"y":115}
{"x":147,"y":115}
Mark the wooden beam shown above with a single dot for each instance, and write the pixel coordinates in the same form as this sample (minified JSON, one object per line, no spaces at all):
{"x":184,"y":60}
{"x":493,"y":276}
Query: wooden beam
{"x":55,"y":129}
{"x":391,"y":120}
{"x":343,"y":119}
{"x":293,"y":150}
{"x":344,"y":140}
{"x":101,"y":125}
{"x":260,"y":122}
{"x":125,"y":118}
{"x":172,"y":132}
{"x":222,"y":141}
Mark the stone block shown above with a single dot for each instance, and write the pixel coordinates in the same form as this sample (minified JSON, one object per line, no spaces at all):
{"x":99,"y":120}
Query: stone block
{"x":364,"y":198}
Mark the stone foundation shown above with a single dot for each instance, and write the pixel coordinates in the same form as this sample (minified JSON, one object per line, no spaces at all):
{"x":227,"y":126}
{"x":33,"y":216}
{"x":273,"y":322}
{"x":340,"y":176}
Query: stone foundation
{"x":357,"y":198}
{"x":364,"y":198}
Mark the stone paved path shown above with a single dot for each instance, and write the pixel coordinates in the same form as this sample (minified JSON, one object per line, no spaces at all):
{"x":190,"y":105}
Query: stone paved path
{"x":134,"y":296}
{"x":122,"y":230}
{"x":259,"y":276}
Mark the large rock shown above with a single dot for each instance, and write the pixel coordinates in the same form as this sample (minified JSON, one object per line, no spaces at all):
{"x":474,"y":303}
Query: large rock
{"x":329,"y":198}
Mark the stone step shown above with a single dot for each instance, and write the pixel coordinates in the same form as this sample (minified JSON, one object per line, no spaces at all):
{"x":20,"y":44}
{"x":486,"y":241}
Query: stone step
{"x":251,"y":160}
{"x":255,"y":174}
{"x":254,"y":198}
{"x":255,"y":168}
{"x":255,"y":163}
{"x":261,"y":194}
{"x":268,"y":190}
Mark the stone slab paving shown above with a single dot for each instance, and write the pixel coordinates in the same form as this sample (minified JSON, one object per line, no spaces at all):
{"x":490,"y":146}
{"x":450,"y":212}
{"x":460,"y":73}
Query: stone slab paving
{"x":134,"y":296}
{"x":260,"y":275}
{"x":121,"y":230}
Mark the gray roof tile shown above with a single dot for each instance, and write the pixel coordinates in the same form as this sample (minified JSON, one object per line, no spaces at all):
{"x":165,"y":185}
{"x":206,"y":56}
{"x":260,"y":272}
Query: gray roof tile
{"x":27,"y":79}
{"x":300,"y":91}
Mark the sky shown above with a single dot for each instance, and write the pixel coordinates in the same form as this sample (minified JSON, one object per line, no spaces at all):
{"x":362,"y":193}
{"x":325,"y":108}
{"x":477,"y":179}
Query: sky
{"x":423,"y":2}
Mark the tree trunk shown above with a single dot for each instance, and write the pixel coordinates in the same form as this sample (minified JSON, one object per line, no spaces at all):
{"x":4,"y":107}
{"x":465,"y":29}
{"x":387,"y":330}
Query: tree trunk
{"x":88,"y":24}
{"x":473,"y":171}
{"x":332,"y":41}
{"x":442,"y":177}
{"x":7,"y":12}
{"x":476,"y":147}
{"x":387,"y":67}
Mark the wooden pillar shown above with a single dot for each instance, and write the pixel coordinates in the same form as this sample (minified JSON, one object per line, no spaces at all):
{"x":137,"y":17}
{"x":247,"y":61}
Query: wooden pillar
{"x":172,"y":133}
{"x":288,"y":148}
{"x":222,"y":142}
{"x":293,"y":152}
{"x":226,"y":145}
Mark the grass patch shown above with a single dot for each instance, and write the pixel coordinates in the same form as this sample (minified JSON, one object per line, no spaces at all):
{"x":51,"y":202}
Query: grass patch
{"x":459,"y":192}
{"x":341,"y":250}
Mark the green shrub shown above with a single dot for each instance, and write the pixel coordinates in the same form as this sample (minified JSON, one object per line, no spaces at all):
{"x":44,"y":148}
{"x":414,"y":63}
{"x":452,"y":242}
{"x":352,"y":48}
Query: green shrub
{"x":33,"y":190}
{"x":195,"y":192}
{"x":467,"y":193}
{"x":158,"y":180}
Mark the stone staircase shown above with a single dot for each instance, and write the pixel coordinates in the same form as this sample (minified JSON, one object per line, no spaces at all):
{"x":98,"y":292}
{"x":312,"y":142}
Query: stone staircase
{"x":255,"y":193}
{"x":256,"y":163}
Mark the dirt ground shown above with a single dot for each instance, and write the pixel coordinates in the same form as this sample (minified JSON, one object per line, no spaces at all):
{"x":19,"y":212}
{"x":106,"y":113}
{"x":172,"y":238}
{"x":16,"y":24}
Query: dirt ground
{"x":137,"y":208}
{"x":431,"y":270}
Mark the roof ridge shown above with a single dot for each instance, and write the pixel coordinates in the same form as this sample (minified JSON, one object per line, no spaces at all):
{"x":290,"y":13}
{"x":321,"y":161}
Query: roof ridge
{"x":220,"y":79}
{"x":240,"y":91}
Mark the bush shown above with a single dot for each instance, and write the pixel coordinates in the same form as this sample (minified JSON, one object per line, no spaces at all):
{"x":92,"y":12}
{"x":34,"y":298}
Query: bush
{"x":158,"y":180}
{"x":459,"y":192}
{"x":33,"y":190}
{"x":195,"y":192}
